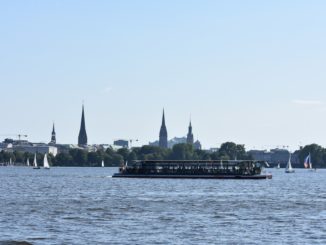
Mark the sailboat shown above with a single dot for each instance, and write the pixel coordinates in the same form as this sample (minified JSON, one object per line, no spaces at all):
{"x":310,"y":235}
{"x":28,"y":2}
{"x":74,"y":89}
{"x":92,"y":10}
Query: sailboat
{"x":288,"y":168}
{"x":27,"y":162}
{"x":102,"y":163}
{"x":10,"y":162}
{"x":278,"y":166}
{"x":45,"y":162}
{"x":308,"y":164}
{"x":35,"y":163}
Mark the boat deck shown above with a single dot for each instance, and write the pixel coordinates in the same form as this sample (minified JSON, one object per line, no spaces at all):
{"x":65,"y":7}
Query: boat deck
{"x":193,"y":169}
{"x":161,"y":176}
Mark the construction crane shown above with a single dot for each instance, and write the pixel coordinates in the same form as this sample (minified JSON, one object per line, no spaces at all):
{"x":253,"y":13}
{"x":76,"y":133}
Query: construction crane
{"x":16,"y":135}
{"x":131,"y":140}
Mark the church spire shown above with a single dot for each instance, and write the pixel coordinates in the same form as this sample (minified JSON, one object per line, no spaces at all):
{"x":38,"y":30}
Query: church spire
{"x":163,"y":140}
{"x":190,"y":136}
{"x":163,"y":119}
{"x":82,"y":138}
{"x":53,"y":136}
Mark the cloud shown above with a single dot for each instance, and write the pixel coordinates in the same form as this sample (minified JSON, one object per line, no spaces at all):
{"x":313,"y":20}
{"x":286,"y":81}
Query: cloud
{"x":307,"y":102}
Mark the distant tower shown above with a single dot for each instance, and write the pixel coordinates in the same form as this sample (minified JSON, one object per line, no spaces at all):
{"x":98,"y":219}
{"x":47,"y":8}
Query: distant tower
{"x":53,"y":138}
{"x":197,"y":145}
{"x":163,"y":142}
{"x":82,"y":138}
{"x":190,"y":136}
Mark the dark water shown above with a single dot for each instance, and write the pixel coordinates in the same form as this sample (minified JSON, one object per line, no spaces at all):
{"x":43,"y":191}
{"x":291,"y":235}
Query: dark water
{"x":87,"y":206}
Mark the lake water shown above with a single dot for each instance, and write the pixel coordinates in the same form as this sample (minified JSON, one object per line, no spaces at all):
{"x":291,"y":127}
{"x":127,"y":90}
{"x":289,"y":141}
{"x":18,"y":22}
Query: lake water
{"x":87,"y":206}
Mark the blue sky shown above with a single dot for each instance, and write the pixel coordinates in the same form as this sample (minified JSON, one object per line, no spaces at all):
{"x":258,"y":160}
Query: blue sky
{"x":252,"y":72}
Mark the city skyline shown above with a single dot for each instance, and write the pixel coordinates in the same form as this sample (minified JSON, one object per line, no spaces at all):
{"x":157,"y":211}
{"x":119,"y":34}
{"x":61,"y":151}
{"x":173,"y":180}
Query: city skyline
{"x":163,"y":135}
{"x":251,"y":73}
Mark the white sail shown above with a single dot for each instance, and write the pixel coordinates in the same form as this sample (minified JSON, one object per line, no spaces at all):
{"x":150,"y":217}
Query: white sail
{"x":278,"y":165}
{"x":45,"y":161}
{"x":27,"y":162}
{"x":102,"y":163}
{"x":35,"y":161}
{"x":10,"y":162}
{"x":289,"y":168}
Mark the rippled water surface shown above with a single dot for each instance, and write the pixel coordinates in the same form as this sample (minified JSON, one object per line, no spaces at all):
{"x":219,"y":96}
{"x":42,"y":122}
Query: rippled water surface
{"x":86,"y":205}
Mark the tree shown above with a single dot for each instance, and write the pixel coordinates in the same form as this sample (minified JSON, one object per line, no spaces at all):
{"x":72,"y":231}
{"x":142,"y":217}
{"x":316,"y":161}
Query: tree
{"x":232,"y":151}
{"x":110,"y":151}
{"x":117,"y":160}
{"x":81,"y":158}
{"x":148,"y":152}
{"x":182,"y":152}
{"x":124,"y":152}
{"x":132,"y":157}
{"x":229,"y":150}
{"x":94,"y":158}
{"x":51,"y":159}
{"x":317,"y":153}
{"x":19,"y":156}
{"x":202,"y":155}
{"x":63,"y":159}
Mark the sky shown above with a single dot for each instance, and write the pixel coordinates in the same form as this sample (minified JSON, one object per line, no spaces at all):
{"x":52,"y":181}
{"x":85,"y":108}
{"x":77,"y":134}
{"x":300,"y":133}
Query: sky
{"x":252,"y":72}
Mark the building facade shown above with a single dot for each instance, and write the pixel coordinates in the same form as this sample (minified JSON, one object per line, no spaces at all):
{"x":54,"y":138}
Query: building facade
{"x":122,"y":143}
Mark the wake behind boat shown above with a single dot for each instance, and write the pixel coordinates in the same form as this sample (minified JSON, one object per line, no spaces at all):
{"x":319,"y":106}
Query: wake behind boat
{"x":194,"y":169}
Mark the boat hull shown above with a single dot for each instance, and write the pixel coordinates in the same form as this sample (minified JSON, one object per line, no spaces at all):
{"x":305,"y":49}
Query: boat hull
{"x":289,"y":171}
{"x":158,"y":176}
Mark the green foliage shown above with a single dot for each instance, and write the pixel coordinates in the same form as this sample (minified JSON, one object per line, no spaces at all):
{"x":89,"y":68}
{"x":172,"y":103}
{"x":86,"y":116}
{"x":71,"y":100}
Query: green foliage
{"x":317,"y":153}
{"x":232,"y":151}
{"x":79,"y":157}
{"x":124,"y":152}
{"x":182,"y":152}
{"x":63,"y":159}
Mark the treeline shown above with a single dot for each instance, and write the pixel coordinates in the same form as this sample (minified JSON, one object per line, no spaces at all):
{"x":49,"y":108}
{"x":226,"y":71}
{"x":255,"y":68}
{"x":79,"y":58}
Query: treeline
{"x":227,"y":151}
{"x":77,"y":157}
{"x":317,"y":153}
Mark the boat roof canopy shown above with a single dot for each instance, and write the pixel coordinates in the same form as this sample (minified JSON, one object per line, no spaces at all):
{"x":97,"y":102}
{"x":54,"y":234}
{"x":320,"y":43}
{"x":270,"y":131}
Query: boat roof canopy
{"x":197,"y":162}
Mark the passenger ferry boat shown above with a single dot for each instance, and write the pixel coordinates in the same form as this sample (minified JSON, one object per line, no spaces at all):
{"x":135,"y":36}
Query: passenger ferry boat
{"x":194,"y":169}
